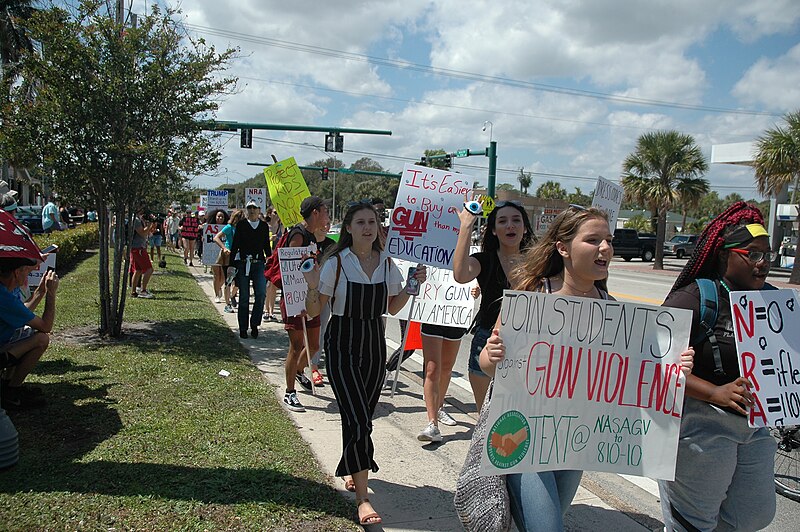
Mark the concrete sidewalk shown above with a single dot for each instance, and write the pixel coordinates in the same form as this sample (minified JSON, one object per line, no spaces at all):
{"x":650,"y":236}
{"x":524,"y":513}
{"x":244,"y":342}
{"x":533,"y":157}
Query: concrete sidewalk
{"x":414,"y":488}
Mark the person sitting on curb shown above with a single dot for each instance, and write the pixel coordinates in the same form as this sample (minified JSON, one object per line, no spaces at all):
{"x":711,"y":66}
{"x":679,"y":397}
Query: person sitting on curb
{"x":23,"y":335}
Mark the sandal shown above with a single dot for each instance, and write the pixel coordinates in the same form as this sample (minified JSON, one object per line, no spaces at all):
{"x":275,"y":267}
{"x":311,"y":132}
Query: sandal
{"x":349,"y":484}
{"x":369,"y":519}
{"x":316,"y":378}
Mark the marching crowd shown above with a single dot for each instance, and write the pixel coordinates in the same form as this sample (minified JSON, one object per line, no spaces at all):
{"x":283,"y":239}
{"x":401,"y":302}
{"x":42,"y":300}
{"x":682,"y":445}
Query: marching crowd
{"x":724,"y":469}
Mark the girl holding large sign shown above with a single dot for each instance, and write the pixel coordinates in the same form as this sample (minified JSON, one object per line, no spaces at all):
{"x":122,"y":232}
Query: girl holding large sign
{"x":571,"y":259}
{"x":361,"y":282}
{"x":724,"y":474}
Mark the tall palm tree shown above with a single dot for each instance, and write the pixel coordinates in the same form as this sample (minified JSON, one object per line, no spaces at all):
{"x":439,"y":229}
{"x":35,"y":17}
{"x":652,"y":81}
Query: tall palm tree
{"x":653,"y":171}
{"x":551,"y":190}
{"x":14,"y":39}
{"x":525,"y":181}
{"x":690,"y":191}
{"x":777,"y":163}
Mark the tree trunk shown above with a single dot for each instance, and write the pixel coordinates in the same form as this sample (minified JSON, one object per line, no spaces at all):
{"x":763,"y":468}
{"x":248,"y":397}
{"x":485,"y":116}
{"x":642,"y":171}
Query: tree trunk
{"x":661,"y":232}
{"x":103,"y":221}
{"x":683,"y":223}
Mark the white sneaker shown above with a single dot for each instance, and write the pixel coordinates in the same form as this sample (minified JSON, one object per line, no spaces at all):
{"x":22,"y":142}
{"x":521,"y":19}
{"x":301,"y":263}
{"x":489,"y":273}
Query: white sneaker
{"x":217,"y":299}
{"x":144,"y":294}
{"x":446,"y":419}
{"x":430,"y":433}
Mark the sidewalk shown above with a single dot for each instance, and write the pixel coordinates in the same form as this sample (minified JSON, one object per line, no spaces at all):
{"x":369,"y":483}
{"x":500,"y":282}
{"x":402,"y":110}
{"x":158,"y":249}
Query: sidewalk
{"x":414,"y":488}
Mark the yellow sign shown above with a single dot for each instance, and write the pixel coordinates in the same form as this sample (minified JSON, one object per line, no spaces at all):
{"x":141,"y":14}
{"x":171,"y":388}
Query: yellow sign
{"x":287,"y":189}
{"x":487,"y":203}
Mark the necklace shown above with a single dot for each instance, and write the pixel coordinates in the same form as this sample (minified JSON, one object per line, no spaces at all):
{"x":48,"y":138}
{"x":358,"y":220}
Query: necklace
{"x":564,"y":281}
{"x":728,"y":288}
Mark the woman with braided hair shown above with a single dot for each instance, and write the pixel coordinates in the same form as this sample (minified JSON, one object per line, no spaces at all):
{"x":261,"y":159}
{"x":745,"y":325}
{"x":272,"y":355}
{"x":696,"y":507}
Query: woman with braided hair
{"x":724,"y":473}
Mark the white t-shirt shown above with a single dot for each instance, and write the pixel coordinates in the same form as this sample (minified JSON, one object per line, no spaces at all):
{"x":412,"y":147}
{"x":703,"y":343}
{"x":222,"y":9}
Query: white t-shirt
{"x":351,"y":270}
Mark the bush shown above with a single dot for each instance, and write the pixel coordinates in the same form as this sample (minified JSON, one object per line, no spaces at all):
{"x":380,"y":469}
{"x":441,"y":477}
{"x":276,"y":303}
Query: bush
{"x":70,"y":242}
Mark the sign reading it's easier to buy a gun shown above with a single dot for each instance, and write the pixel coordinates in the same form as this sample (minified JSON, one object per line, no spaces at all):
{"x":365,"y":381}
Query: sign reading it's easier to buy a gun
{"x":588,"y":384}
{"x":765,"y":327}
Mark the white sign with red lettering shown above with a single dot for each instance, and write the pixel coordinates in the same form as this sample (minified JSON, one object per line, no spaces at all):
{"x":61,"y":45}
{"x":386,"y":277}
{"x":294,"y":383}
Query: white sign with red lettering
{"x":211,"y":251}
{"x":588,"y":384}
{"x":294,"y":288}
{"x":768,"y":345}
{"x":424,"y":225}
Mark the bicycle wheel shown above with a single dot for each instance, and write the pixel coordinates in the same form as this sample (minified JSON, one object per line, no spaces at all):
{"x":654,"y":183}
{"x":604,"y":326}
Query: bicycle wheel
{"x":787,"y":462}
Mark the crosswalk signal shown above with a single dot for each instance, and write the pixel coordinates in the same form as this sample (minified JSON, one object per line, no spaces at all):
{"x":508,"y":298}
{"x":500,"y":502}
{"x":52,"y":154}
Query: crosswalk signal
{"x":448,"y":161}
{"x":324,"y":173}
{"x":247,"y":139}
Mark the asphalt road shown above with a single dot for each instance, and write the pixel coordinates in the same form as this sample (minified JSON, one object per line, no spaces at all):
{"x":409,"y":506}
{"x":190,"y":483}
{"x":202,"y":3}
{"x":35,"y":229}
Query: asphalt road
{"x":637,"y":497}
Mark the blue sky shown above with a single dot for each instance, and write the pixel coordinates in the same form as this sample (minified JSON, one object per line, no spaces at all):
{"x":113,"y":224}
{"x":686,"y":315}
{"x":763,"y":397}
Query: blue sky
{"x":721,"y":71}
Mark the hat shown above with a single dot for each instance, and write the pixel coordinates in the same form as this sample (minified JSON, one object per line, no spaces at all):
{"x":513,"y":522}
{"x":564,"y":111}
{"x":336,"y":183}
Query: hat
{"x":743,"y":234}
{"x":252,"y":203}
{"x":310,"y":204}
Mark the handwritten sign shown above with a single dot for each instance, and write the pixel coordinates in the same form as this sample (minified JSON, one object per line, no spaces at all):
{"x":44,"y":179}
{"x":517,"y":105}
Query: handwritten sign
{"x":288,"y":189}
{"x":294,"y":284}
{"x":441,"y":300}
{"x":217,"y":199}
{"x":203,"y":205}
{"x":35,"y":277}
{"x":608,"y":198}
{"x":424,"y":225}
{"x":587,"y":384}
{"x":768,"y":345}
{"x":543,"y":220}
{"x":211,"y":251}
{"x":259,"y":195}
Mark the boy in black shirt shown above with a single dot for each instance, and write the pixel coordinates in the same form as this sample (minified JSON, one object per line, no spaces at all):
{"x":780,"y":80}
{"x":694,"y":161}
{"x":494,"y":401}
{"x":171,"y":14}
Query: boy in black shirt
{"x":249,"y":250}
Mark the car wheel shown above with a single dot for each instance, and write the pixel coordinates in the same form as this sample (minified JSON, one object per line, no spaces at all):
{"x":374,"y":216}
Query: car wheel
{"x":680,"y":253}
{"x":647,"y":255}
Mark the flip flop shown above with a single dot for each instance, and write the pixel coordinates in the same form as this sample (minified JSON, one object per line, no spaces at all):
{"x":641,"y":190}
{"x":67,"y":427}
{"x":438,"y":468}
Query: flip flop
{"x":374,"y":516}
{"x":349,"y":484}
{"x":316,"y":378}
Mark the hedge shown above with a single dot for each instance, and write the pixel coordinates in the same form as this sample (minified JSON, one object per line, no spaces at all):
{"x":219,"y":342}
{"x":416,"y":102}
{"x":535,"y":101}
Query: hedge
{"x":70,"y":242}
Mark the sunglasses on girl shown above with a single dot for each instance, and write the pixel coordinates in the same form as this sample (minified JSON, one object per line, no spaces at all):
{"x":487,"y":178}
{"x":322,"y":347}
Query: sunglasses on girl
{"x":756,"y":256}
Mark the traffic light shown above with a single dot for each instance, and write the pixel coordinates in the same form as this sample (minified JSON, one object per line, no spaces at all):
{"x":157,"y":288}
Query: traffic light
{"x":423,"y":161}
{"x":324,"y":173}
{"x":448,"y":160}
{"x":247,"y":139}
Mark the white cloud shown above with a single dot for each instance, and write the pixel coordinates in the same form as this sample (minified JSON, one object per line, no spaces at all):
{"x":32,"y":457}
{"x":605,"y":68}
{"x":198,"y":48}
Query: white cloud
{"x":772,"y":83}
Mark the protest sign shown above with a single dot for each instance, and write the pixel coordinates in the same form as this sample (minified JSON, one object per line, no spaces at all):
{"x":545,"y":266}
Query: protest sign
{"x":288,"y":189}
{"x":259,"y":195}
{"x":424,"y":225}
{"x":35,"y":277}
{"x":608,"y":198}
{"x":294,"y":284}
{"x":767,"y":339}
{"x":441,"y":300}
{"x":588,"y":384}
{"x":210,"y":249}
{"x":203,"y":202}
{"x":544,"y":218}
{"x":217,"y":199}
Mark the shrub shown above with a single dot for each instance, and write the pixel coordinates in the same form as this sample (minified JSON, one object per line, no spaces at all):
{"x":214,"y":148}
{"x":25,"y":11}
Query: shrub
{"x":70,"y":242}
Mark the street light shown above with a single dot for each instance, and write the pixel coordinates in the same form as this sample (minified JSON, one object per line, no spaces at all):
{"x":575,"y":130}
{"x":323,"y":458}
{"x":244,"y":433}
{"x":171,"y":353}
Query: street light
{"x":491,"y":129}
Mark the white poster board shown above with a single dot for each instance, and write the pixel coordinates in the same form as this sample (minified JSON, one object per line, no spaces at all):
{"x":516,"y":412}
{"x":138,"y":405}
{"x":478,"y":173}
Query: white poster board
{"x":441,"y":300}
{"x":608,"y":198}
{"x":35,"y":277}
{"x":587,"y":384}
{"x":217,"y":199}
{"x":294,"y":284}
{"x":424,"y":225}
{"x":203,"y":203}
{"x":765,"y":326}
{"x":259,"y":195}
{"x":211,"y":251}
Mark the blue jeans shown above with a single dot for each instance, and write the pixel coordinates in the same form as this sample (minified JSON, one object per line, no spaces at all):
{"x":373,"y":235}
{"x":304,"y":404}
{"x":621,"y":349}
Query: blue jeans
{"x":259,"y":293}
{"x":478,"y":343}
{"x":540,"y":500}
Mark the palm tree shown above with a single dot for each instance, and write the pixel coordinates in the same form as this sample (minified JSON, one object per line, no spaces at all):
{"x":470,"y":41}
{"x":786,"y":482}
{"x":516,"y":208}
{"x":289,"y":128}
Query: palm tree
{"x":14,"y":39}
{"x":777,"y":164}
{"x":690,"y":191}
{"x":525,"y":181}
{"x":652,"y":173}
{"x":551,"y":190}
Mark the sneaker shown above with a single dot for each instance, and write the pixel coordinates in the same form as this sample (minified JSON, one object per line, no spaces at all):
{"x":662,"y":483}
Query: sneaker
{"x":446,"y":419}
{"x":134,"y":294}
{"x":217,"y":299}
{"x":228,"y":309}
{"x":144,"y":294}
{"x":391,"y":364}
{"x":303,"y":380}
{"x":430,"y":433}
{"x":243,"y":333}
{"x":292,"y":402}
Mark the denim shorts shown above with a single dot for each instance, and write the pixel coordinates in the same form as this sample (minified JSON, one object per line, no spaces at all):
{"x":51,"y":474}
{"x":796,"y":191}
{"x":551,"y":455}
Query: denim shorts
{"x":478,"y":343}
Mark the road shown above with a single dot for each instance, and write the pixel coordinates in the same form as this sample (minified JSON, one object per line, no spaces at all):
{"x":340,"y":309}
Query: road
{"x":635,"y":496}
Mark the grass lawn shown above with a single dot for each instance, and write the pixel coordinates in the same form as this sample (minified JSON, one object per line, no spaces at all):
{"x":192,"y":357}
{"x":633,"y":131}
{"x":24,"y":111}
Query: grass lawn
{"x":142,"y":433}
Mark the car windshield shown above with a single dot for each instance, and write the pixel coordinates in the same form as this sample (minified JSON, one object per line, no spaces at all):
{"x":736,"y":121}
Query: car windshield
{"x":679,"y":239}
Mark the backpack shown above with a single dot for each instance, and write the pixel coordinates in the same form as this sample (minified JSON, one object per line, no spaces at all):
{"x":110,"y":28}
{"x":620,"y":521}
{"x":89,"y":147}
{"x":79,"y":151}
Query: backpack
{"x":272,"y":268}
{"x":709,"y":310}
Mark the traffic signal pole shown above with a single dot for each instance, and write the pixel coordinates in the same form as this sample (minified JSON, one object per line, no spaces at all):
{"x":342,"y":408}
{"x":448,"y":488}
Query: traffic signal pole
{"x":490,"y":152}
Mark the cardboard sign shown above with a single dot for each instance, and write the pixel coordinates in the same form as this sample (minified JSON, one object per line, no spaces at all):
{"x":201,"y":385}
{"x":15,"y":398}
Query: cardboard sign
{"x":217,"y":199}
{"x":587,"y":384}
{"x":259,"y":195}
{"x":608,"y":198}
{"x":768,"y":344}
{"x":35,"y":277}
{"x":288,"y":189}
{"x":295,"y":287}
{"x":211,"y":251}
{"x":543,"y":220}
{"x":441,"y":300}
{"x":424,"y":225}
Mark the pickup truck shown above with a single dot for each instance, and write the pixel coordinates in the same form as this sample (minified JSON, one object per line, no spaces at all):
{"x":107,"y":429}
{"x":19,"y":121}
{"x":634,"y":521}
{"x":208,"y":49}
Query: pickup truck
{"x":680,"y":245}
{"x":628,"y":243}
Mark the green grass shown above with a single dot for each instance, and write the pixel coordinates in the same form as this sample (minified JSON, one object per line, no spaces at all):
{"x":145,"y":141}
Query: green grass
{"x":141,"y":433}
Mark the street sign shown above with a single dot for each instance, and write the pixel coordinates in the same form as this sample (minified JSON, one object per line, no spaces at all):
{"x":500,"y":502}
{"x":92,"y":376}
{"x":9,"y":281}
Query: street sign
{"x":462,"y":153}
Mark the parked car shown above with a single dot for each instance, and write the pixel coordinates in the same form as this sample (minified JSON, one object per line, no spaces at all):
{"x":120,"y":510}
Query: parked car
{"x":629,"y":244}
{"x":680,"y":245}
{"x":31,"y":217}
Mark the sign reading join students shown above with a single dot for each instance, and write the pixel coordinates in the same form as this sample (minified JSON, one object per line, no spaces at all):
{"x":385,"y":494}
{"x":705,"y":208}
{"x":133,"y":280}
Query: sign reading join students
{"x":424,"y":225}
{"x":768,"y":344}
{"x":295,"y":287}
{"x":587,"y":384}
{"x":288,"y":189}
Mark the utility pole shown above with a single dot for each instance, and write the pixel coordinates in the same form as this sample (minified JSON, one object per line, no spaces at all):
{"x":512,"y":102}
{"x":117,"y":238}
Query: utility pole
{"x":120,"y":12}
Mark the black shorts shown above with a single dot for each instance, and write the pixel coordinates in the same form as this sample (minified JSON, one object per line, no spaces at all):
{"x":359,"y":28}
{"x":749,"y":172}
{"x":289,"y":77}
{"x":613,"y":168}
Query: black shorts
{"x":443,"y":331}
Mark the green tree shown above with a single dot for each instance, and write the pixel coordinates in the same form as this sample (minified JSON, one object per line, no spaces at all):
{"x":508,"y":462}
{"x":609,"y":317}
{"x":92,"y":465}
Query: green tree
{"x":661,"y":161}
{"x":551,"y":190}
{"x":525,"y":181}
{"x":15,"y":40}
{"x":777,"y":164}
{"x":118,"y":118}
{"x":638,"y":222}
{"x":579,"y":198}
{"x":690,"y":191}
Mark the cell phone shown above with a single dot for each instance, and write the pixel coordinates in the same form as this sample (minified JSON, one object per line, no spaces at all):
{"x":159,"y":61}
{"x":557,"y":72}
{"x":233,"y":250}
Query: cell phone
{"x":412,"y":285}
{"x":307,"y":265}
{"x":50,"y":269}
{"x":52,"y":248}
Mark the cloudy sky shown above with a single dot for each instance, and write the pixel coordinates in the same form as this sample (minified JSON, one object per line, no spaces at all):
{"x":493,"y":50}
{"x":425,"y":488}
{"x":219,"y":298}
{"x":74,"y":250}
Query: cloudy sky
{"x":567,"y":85}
